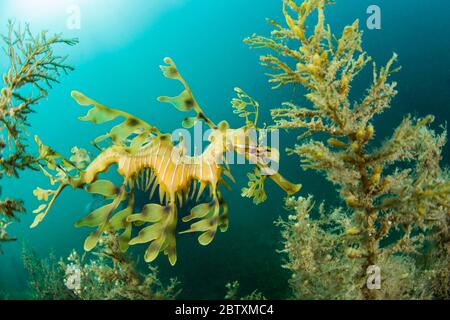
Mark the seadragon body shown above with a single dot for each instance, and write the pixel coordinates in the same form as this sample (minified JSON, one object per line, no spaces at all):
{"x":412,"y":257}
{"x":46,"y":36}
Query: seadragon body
{"x":148,"y":160}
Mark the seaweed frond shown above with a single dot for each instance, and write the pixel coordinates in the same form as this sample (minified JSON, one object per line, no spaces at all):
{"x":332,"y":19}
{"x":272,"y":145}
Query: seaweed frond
{"x":397,"y":193}
{"x":233,"y":290}
{"x":108,"y":274}
{"x":33,"y":68}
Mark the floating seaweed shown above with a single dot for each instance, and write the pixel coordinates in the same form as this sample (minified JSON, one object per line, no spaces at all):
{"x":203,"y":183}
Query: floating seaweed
{"x":148,"y":160}
{"x":396,"y":195}
{"x":33,"y":69}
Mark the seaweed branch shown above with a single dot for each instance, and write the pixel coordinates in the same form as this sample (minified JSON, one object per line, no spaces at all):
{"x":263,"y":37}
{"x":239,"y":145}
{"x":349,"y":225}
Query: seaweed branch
{"x":33,"y":69}
{"x":397,"y":193}
{"x":108,"y":274}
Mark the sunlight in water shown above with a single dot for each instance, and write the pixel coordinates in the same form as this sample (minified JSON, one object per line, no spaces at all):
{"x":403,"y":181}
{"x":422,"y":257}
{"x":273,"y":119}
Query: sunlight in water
{"x":99,"y":24}
{"x":34,"y":9}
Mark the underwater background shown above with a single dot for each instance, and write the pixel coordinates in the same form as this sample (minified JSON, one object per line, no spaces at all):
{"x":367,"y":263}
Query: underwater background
{"x":122,"y":43}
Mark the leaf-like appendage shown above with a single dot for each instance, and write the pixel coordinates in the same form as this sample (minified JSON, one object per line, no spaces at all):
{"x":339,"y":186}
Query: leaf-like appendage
{"x":150,"y":213}
{"x":160,"y":233}
{"x":100,"y":114}
{"x":198,"y":212}
{"x":103,"y":187}
{"x":148,"y":234}
{"x":120,"y":221}
{"x":185,"y":101}
{"x":42,"y":194}
{"x":209,"y":215}
{"x":189,"y":122}
{"x":96,"y":217}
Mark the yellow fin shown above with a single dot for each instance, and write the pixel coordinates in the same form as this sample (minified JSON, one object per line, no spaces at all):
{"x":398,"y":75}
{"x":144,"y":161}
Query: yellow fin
{"x":153,"y":250}
{"x":223,"y":218}
{"x":124,"y":238}
{"x":92,"y":240}
{"x":150,"y":213}
{"x":198,"y":212}
{"x":199,"y":226}
{"x":148,"y":234}
{"x":96,"y":217}
{"x":103,"y":187}
{"x":119,"y":221}
{"x":207,"y":237}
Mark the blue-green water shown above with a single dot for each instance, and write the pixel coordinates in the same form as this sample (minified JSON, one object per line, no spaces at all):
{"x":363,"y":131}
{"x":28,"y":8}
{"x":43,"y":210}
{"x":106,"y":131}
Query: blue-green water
{"x":122,"y":43}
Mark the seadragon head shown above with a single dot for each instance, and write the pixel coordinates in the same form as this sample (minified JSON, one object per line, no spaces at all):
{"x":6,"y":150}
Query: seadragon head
{"x":149,"y":160}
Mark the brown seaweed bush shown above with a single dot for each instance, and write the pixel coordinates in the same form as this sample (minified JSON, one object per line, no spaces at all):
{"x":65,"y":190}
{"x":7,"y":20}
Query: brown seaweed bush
{"x":107,"y":274}
{"x":394,"y":223}
{"x":33,"y":67}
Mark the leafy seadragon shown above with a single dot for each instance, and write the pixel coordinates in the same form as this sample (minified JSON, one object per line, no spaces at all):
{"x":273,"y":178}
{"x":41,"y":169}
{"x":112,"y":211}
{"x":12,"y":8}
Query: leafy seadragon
{"x":149,"y":160}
